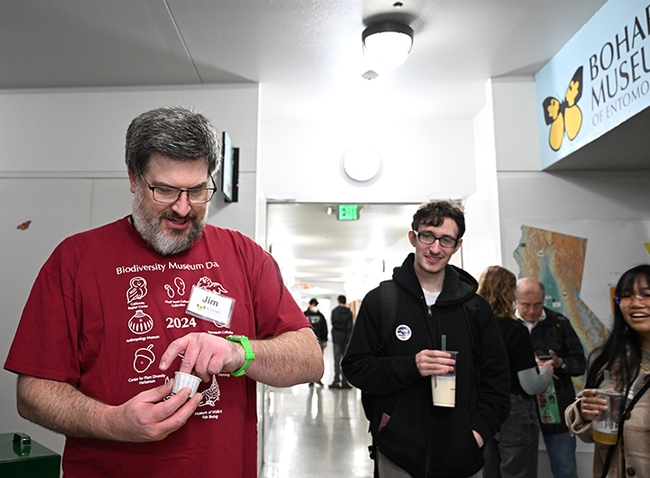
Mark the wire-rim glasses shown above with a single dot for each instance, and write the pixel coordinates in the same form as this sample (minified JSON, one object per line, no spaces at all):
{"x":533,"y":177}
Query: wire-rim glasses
{"x":170,"y":194}
{"x":627,"y":299}
{"x":427,"y":238}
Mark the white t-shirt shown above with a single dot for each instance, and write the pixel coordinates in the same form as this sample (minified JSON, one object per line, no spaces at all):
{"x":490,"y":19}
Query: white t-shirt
{"x":430,"y":297}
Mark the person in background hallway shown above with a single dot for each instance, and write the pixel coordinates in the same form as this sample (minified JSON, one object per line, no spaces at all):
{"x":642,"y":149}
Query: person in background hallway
{"x":319,"y":325}
{"x":553,"y":335}
{"x":394,"y":364}
{"x":341,"y":329}
{"x":512,"y":453}
{"x":626,"y":355}
{"x":96,"y":349}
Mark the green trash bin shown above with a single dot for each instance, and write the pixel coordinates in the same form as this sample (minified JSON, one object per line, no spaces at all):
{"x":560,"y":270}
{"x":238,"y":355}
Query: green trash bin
{"x":21,"y":457}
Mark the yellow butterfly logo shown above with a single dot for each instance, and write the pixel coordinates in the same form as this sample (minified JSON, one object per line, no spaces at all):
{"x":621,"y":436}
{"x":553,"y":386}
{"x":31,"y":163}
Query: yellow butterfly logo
{"x":564,"y":116}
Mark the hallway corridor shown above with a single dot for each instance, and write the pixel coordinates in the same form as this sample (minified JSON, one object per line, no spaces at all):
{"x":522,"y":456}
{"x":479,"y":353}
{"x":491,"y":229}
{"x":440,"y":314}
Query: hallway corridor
{"x":316,"y":432}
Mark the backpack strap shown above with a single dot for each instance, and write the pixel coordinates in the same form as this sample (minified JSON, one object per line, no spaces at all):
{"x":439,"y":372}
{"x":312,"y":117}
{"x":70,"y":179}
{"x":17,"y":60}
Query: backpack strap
{"x":388,"y":316}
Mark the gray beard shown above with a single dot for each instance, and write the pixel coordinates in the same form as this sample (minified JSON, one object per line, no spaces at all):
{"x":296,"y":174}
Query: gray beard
{"x":149,"y":228}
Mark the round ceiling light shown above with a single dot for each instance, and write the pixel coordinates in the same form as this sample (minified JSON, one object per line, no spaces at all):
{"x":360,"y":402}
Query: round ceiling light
{"x":387,"y":45}
{"x":361,"y":164}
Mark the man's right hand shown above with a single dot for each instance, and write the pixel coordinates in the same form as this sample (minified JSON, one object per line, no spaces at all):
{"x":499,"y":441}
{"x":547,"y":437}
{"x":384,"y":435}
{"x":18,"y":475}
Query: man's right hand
{"x":546,"y":365}
{"x":62,"y":408}
{"x":148,"y":417}
{"x":434,"y":362}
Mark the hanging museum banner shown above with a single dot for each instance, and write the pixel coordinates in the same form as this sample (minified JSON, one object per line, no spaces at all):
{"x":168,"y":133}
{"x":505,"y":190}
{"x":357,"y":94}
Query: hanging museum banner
{"x":598,"y":80}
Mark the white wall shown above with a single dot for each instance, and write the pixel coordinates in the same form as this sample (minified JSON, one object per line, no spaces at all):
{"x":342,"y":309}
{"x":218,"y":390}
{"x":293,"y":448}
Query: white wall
{"x":609,"y":209}
{"x":84,"y":129}
{"x":62,"y":167}
{"x":419,"y":160}
{"x":516,"y":133}
{"x":482,"y":246}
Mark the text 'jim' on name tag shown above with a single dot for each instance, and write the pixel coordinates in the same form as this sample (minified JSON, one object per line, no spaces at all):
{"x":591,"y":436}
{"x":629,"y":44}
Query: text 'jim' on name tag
{"x":208,"y":305}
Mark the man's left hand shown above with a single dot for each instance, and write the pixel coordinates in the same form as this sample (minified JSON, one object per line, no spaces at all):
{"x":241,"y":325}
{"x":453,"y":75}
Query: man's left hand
{"x":479,"y":438}
{"x":557,"y":361}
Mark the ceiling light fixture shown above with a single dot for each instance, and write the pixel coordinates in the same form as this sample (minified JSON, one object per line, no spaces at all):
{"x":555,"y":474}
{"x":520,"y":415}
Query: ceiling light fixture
{"x":361,"y":163}
{"x":387,"y":45}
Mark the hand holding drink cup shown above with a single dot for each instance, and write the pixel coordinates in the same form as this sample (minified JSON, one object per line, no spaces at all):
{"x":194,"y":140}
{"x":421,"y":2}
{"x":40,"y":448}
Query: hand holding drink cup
{"x":602,"y":408}
{"x":605,"y":424}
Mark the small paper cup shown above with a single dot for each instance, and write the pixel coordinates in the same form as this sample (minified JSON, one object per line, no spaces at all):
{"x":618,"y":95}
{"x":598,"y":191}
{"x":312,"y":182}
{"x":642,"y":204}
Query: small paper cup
{"x":182,"y":380}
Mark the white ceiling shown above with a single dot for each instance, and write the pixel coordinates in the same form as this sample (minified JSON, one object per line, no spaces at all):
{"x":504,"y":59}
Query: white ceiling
{"x":306,"y":48}
{"x":303,"y":51}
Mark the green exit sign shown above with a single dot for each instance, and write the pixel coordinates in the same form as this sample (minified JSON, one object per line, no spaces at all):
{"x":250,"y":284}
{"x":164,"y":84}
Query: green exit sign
{"x":348,"y":212}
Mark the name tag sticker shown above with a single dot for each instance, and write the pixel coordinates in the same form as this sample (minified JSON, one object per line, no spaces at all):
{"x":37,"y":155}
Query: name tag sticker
{"x":211,"y":306}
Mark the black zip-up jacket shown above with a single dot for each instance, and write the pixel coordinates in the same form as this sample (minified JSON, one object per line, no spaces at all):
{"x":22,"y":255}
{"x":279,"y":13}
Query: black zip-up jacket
{"x":424,"y":440}
{"x":556,"y":333}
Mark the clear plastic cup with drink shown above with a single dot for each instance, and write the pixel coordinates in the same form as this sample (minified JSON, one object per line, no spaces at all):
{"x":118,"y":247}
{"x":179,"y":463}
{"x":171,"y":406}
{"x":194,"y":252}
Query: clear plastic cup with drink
{"x":605,"y":425}
{"x":443,"y":387}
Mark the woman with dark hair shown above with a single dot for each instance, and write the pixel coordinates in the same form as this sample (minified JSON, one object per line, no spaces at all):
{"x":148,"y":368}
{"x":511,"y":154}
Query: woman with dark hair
{"x":626,"y":356}
{"x":513,"y":451}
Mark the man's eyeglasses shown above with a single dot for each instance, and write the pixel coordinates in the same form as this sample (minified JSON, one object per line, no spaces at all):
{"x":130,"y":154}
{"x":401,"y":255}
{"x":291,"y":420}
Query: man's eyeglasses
{"x":627,"y":299}
{"x":170,"y":194}
{"x":428,"y":239}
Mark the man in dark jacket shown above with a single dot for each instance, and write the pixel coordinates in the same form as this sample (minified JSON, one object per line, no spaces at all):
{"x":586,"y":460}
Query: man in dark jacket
{"x":319,"y":325}
{"x":414,"y":438}
{"x":341,"y":329}
{"x":553,"y":335}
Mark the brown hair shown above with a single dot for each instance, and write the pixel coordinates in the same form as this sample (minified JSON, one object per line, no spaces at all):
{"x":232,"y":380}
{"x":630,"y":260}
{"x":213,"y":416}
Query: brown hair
{"x":497,"y":285}
{"x":433,"y":213}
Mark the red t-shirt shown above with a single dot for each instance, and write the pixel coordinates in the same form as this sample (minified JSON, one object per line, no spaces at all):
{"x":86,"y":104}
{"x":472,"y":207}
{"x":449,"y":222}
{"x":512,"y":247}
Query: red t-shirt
{"x":104,"y":308}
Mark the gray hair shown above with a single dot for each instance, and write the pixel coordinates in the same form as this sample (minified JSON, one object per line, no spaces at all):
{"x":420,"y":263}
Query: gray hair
{"x":176,"y":133}
{"x":526,"y":283}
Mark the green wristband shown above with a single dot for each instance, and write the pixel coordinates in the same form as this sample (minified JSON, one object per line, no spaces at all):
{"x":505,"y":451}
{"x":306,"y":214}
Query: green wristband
{"x":249,"y":355}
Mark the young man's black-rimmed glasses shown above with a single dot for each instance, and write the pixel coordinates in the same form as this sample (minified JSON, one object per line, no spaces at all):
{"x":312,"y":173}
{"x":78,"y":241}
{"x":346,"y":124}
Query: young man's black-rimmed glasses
{"x":428,"y":239}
